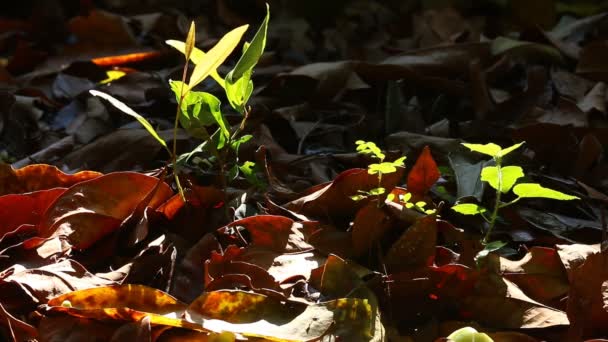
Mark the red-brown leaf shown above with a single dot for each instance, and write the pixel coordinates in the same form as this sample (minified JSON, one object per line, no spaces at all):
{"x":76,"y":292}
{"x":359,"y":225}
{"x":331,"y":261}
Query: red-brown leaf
{"x":423,"y":174}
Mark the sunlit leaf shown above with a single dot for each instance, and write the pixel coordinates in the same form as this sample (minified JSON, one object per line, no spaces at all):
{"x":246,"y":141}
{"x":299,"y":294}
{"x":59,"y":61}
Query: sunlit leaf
{"x":113,"y":75}
{"x":253,"y":53}
{"x":125,"y":109}
{"x":508,"y":176}
{"x":199,"y":110}
{"x":468,"y":209}
{"x":90,"y":210}
{"x":531,"y":190}
{"x":377,"y":191}
{"x":468,"y":334}
{"x":190,"y":40}
{"x":197,"y":56}
{"x":510,"y":149}
{"x":216,"y":56}
{"x":490,"y":149}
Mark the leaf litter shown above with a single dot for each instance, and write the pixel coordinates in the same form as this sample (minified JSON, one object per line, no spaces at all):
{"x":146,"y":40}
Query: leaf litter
{"x":97,"y":244}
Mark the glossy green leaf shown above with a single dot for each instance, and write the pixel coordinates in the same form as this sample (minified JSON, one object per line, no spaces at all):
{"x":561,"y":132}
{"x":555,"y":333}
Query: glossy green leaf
{"x":239,"y":92}
{"x":510,"y":149}
{"x":125,"y":109}
{"x":216,"y":56}
{"x":508,"y":174}
{"x":197,"y":56}
{"x":252,"y":53}
{"x":534,"y":190}
{"x":468,"y":209}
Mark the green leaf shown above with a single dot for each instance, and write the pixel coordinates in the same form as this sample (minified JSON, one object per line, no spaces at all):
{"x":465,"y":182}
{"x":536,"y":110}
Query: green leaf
{"x":420,"y":204}
{"x":377,"y":191}
{"x":239,"y":92}
{"x":198,"y":110}
{"x":368,"y":147}
{"x":400,"y":161}
{"x":533,"y":190}
{"x":490,"y":149}
{"x":469,"y":209}
{"x":407,"y":197}
{"x":125,"y":109}
{"x":216,"y":56}
{"x":383,"y":168}
{"x":358,"y":197}
{"x":468,"y":334}
{"x":253,"y":52}
{"x":510,"y":149}
{"x":390,"y":197}
{"x":510,"y":174}
{"x":197,"y":56}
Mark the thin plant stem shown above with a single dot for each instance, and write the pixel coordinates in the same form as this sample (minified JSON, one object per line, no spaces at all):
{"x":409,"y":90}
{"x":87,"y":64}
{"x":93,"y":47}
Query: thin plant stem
{"x":496,"y":203}
{"x":174,"y":154}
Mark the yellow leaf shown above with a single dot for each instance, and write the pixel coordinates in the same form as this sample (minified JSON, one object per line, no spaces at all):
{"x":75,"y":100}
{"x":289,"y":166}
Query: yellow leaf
{"x":217,"y":55}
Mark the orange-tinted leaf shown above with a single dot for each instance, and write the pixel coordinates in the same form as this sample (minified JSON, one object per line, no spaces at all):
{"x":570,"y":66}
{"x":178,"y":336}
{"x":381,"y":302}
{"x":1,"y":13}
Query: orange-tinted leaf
{"x":28,"y":208}
{"x":90,"y":210}
{"x":333,"y":199}
{"x":369,"y":226}
{"x":201,"y":197}
{"x":123,"y":302}
{"x":423,"y":174}
{"x":276,"y":233}
{"x":38,"y":177}
{"x":130,"y":58}
{"x":256,"y":315}
{"x":415,"y":247}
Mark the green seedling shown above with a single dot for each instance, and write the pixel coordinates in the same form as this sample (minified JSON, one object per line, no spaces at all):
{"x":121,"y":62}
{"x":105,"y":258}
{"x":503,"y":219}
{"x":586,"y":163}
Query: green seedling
{"x":382,"y":168}
{"x":418,"y":206}
{"x":197,"y":112}
{"x":503,"y":179}
{"x":378,"y":169}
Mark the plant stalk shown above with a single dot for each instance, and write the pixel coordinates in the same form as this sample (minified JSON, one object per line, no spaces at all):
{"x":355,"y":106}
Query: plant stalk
{"x":496,"y":203}
{"x":177,"y":112}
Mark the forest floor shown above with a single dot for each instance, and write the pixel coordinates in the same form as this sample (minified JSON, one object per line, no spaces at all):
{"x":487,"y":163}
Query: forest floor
{"x":305,"y":231}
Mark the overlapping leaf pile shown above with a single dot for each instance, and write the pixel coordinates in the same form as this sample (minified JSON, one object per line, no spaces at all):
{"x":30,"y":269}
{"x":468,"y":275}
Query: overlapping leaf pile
{"x":286,"y":254}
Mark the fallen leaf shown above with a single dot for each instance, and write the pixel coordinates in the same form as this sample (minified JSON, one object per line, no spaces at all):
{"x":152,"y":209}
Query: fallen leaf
{"x":90,"y":210}
{"x":423,"y":174}
{"x":38,"y":177}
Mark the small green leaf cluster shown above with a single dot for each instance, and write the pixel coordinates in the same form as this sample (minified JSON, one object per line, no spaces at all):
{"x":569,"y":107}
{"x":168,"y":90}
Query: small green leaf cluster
{"x":504,"y":179}
{"x":379,"y":169}
{"x":419,"y":205}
